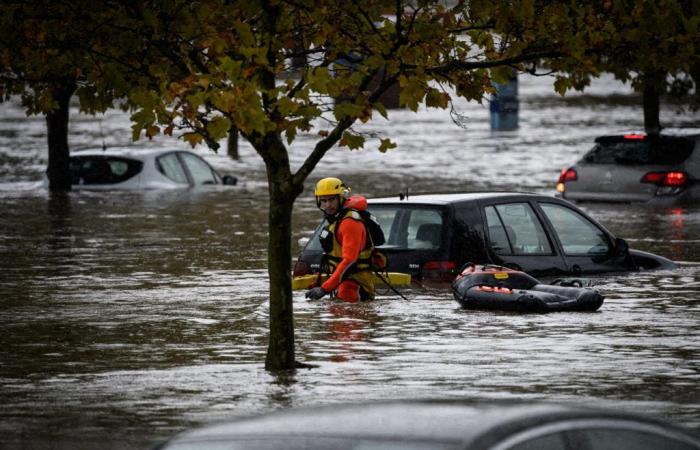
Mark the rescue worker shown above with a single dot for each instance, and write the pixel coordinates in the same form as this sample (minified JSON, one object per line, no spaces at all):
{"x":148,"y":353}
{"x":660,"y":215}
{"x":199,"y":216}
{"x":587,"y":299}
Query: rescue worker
{"x":346,"y":242}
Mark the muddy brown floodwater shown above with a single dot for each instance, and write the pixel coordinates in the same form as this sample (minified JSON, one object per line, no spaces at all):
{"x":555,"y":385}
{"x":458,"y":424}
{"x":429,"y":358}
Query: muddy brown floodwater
{"x":127,"y":317}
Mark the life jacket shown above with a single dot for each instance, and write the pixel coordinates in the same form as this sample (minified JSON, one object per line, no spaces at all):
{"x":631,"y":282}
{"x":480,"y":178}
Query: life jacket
{"x":369,"y":259}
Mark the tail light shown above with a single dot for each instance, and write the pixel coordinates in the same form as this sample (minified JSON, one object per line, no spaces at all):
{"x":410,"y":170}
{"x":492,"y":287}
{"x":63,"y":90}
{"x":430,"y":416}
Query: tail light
{"x":566,"y":175}
{"x":667,"y":179}
{"x":439,"y":271}
{"x":300,"y":269}
{"x":635,"y":136}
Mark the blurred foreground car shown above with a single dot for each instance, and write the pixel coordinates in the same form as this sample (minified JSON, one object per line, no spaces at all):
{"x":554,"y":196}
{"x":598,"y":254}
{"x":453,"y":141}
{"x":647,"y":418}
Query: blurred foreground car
{"x":635,"y":167}
{"x":139,"y":169}
{"x":440,"y":425}
{"x":431,"y":237}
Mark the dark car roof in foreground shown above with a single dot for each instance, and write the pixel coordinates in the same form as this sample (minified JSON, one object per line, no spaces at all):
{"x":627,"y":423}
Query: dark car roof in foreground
{"x":430,"y":420}
{"x":442,"y":199}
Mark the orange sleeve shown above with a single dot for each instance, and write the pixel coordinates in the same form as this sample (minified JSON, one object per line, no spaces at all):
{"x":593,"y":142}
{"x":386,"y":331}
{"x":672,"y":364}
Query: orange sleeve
{"x":351,"y":235}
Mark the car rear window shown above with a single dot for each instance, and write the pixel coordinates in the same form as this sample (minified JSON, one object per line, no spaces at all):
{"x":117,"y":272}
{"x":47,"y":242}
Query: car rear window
{"x":410,"y":227}
{"x":665,"y":150}
{"x":407,"y":227}
{"x":102,"y":169}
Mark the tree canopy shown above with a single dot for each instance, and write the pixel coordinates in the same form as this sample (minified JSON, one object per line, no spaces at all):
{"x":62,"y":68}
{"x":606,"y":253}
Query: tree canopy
{"x":277,"y":68}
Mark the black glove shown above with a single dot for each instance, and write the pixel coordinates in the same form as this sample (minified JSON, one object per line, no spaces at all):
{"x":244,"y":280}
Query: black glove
{"x":315,"y":293}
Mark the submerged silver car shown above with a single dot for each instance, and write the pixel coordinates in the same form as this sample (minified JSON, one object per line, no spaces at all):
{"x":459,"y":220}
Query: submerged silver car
{"x":636,"y":167}
{"x":141,"y":169}
{"x":440,"y":425}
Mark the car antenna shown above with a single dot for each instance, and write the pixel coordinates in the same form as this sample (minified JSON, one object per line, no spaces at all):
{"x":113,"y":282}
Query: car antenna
{"x":104,"y":146}
{"x":403,"y":196}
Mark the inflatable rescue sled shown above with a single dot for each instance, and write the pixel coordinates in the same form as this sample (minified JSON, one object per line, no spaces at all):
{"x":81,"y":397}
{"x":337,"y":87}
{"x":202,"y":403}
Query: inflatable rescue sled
{"x":500,"y":288}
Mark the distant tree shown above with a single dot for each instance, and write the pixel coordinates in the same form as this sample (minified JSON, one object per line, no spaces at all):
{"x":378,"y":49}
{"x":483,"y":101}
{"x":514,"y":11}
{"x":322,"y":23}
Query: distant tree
{"x":653,"y":44}
{"x":47,"y":54}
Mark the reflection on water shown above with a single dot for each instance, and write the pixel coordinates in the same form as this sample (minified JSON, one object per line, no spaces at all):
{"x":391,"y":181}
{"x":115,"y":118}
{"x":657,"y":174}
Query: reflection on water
{"x":129,"y":316}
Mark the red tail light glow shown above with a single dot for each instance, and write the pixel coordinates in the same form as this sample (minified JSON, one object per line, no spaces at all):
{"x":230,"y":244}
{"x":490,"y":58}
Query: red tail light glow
{"x":300,"y":269}
{"x":568,"y":175}
{"x":639,"y":137}
{"x":671,"y":179}
{"x":675,"y":179}
{"x":439,"y":270}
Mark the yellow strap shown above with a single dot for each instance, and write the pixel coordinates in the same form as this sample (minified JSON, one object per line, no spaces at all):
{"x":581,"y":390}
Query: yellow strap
{"x":395,"y":278}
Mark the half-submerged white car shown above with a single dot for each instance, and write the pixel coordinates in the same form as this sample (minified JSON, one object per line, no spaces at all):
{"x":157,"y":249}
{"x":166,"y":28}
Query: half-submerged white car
{"x":141,"y":169}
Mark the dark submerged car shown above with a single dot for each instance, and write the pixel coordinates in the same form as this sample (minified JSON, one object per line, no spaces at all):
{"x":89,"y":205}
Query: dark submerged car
{"x":433,"y":236}
{"x":440,"y":425}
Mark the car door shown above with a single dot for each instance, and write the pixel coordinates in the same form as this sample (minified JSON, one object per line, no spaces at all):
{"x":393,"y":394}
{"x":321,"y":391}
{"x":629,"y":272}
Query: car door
{"x":517,"y":238}
{"x":585,"y":245}
{"x":416,"y":238}
{"x":170,"y":166}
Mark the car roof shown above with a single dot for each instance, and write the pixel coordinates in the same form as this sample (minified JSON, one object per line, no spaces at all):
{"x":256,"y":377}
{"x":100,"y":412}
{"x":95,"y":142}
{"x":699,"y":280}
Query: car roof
{"x":443,"y":199}
{"x":134,"y":152}
{"x":691,"y":133}
{"x":428,"y":420}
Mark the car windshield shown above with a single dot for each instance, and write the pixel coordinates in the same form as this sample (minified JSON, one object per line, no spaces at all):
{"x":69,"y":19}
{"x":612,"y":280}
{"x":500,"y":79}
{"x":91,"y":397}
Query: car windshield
{"x":406,"y":227}
{"x":100,"y":169}
{"x":662,"y":151}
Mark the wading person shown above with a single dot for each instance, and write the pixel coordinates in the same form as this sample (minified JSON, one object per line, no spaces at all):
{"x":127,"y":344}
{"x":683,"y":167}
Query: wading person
{"x":348,"y":243}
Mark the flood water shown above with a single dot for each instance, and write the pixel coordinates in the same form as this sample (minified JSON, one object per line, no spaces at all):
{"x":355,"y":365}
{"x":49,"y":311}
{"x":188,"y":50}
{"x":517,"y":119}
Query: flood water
{"x":127,"y":317}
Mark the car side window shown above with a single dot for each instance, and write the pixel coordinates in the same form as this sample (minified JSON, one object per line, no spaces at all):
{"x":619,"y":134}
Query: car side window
{"x":578,"y":236}
{"x":514,"y":229}
{"x":424,"y":229}
{"x":201,"y":171}
{"x":169,"y":165}
{"x":102,"y":170}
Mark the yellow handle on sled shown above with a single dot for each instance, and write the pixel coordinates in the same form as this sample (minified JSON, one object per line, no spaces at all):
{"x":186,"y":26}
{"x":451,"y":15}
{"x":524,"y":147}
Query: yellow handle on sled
{"x":395,"y":278}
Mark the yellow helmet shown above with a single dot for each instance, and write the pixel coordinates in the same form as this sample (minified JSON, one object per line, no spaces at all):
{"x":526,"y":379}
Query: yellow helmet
{"x":331,"y":186}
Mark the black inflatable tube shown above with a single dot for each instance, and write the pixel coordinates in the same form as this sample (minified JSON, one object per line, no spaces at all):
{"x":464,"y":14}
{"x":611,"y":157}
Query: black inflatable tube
{"x":498,"y":288}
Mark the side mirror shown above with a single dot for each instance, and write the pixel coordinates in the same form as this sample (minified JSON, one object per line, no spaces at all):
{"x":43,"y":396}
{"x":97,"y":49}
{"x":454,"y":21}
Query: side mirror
{"x":229,"y":180}
{"x":621,"y":249}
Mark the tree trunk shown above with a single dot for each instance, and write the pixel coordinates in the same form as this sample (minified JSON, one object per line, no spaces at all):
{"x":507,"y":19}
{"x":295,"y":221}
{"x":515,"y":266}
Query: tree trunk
{"x":651,"y":95}
{"x":283,"y":192}
{"x":58,"y":171}
{"x":280,"y":352}
{"x":232,"y":143}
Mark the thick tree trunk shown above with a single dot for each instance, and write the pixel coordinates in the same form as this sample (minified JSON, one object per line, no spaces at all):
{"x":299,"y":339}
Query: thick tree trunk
{"x":57,"y":129}
{"x":280,"y":352}
{"x":283,"y":192}
{"x":651,"y":95}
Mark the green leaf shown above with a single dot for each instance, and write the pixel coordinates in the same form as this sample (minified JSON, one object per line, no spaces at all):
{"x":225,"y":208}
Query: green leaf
{"x":218,"y":127}
{"x":386,"y":144}
{"x":352,"y":141}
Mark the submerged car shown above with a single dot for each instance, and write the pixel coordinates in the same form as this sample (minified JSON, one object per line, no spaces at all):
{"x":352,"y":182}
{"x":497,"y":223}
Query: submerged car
{"x":137,"y":169}
{"x":635,"y":167}
{"x":440,"y":425}
{"x":432,"y":236}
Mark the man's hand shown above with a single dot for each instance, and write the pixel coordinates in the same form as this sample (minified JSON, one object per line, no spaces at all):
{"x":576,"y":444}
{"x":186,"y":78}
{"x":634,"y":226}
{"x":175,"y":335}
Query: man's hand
{"x":315,"y":293}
